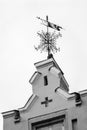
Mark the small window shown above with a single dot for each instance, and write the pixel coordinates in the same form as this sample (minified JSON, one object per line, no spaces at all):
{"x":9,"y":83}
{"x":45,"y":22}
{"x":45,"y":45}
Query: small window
{"x":45,"y":81}
{"x":74,"y":124}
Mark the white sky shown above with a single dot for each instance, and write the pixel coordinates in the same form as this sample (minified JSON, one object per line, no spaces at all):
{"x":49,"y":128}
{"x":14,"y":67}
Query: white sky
{"x":18,"y":28}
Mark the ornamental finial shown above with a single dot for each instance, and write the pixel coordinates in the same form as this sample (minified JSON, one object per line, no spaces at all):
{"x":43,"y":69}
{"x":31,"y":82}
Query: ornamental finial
{"x":48,"y":39}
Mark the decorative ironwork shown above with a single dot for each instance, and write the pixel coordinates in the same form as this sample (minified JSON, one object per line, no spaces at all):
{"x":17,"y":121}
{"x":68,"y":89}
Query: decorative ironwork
{"x":48,"y":39}
{"x":48,"y":42}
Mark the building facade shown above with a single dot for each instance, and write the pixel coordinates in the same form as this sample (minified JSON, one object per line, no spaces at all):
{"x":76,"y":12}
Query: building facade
{"x":51,"y":106}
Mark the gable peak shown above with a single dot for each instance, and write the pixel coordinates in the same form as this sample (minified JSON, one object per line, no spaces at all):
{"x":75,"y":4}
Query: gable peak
{"x":48,"y":62}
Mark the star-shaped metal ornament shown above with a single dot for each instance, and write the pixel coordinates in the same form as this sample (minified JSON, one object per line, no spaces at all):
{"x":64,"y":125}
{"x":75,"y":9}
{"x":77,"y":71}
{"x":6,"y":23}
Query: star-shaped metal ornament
{"x":48,"y":41}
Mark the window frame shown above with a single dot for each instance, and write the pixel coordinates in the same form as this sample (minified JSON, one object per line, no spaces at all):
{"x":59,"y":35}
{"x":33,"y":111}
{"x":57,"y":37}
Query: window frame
{"x":48,"y":119}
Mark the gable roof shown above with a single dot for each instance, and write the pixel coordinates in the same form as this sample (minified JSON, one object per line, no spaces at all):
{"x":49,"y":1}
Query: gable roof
{"x":33,"y":98}
{"x":61,"y":92}
{"x":28,"y":104}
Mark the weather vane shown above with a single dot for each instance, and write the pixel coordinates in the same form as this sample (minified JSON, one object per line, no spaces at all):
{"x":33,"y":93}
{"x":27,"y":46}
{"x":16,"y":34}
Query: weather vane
{"x":48,"y":39}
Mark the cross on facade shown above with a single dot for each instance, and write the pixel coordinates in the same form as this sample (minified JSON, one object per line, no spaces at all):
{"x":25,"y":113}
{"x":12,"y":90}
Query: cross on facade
{"x":46,"y":102}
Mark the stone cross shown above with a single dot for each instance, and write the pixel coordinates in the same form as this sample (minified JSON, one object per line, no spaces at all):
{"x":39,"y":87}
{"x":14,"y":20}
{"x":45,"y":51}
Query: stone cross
{"x":46,"y":102}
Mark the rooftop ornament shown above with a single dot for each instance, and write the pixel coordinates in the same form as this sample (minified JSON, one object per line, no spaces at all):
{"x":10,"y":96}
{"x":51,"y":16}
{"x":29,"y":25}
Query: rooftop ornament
{"x":48,"y":39}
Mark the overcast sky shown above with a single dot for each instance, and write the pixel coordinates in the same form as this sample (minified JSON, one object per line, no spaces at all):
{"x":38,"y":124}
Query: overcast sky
{"x":18,"y":35}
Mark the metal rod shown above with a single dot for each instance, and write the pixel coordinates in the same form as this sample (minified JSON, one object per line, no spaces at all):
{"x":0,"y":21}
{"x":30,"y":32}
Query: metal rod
{"x":48,"y":36}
